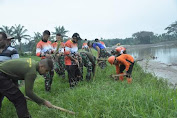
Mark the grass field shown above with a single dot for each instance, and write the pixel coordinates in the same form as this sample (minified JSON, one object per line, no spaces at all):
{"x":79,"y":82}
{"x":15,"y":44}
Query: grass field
{"x":146,"y":97}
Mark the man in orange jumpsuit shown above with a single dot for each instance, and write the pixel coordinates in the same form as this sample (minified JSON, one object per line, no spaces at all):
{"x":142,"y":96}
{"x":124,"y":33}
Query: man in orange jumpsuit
{"x":123,"y":62}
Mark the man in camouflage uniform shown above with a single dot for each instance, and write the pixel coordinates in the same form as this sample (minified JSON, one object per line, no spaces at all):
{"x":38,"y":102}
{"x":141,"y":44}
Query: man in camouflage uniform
{"x":59,"y":66}
{"x":89,"y":61}
{"x":44,"y":50}
{"x":59,"y":63}
{"x":71,"y":61}
{"x":102,"y":53}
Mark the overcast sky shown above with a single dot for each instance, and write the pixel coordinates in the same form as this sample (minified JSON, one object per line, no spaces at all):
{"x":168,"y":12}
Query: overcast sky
{"x":90,"y":18}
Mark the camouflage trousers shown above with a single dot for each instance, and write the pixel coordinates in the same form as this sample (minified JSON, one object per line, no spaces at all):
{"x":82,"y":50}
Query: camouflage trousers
{"x":59,"y":66}
{"x":86,"y":62}
{"x":48,"y":77}
{"x":48,"y":80}
{"x":86,"y":49}
{"x":102,"y":63}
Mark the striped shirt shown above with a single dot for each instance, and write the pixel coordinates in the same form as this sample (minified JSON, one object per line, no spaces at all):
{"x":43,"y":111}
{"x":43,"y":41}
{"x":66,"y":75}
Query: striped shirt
{"x":8,"y":53}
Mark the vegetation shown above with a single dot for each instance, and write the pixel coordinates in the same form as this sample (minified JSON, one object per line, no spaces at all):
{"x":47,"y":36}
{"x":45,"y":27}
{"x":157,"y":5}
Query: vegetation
{"x":172,"y":29}
{"x":60,"y":30}
{"x":141,"y":37}
{"x":19,"y":33}
{"x":103,"y":97}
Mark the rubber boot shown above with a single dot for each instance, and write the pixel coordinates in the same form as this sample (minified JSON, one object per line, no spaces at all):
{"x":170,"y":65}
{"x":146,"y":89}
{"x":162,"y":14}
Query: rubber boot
{"x":121,"y":78}
{"x":129,"y":80}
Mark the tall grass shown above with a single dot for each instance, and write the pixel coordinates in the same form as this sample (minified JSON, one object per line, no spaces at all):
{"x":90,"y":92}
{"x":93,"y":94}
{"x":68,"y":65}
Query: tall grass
{"x":146,"y":97}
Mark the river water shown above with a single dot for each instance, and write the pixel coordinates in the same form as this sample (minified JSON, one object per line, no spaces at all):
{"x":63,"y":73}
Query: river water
{"x":163,"y":53}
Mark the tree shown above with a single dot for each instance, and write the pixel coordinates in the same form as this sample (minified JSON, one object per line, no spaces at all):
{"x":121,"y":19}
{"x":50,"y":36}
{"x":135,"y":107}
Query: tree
{"x":172,"y":28}
{"x":37,"y":36}
{"x":32,"y":44}
{"x":9,"y":31}
{"x":60,"y":30}
{"x":144,"y":36}
{"x":19,"y":33}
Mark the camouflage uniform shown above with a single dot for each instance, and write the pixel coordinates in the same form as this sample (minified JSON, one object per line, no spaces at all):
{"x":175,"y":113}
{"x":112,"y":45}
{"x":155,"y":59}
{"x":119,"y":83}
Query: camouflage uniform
{"x":108,"y":54}
{"x":80,"y":71}
{"x":49,"y":77}
{"x":87,"y":49}
{"x":102,"y":63}
{"x":90,"y":65}
{"x":59,"y":66}
{"x":48,"y":80}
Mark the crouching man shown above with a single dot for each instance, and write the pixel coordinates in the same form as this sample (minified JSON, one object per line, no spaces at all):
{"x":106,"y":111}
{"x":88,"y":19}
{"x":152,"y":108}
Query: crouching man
{"x":123,"y":62}
{"x":22,"y":69}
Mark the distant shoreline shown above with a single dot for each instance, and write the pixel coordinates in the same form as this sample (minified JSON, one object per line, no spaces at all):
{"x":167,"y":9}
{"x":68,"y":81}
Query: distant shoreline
{"x":144,"y":45}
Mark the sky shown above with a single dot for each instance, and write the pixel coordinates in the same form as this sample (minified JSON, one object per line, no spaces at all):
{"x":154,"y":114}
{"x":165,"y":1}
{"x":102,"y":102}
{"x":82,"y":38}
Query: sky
{"x":92,"y":19}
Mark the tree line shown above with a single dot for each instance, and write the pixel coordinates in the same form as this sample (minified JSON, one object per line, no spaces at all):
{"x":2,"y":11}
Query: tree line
{"x":142,"y":37}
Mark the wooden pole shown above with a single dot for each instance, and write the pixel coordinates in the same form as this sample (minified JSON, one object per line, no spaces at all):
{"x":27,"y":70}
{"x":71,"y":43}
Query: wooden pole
{"x":62,"y":109}
{"x":56,"y":107}
{"x":117,"y":75}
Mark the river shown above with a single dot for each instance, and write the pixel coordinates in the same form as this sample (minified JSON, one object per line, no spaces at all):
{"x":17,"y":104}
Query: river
{"x":162,"y":53}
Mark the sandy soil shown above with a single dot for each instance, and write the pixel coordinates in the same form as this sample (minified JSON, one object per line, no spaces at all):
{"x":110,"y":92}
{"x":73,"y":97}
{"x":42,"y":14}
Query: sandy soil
{"x":160,"y":70}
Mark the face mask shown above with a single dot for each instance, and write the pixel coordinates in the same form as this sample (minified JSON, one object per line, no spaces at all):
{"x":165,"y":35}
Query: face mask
{"x":44,"y":40}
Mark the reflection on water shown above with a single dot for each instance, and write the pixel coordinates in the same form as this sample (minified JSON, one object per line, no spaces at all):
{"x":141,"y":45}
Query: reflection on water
{"x":164,"y":54}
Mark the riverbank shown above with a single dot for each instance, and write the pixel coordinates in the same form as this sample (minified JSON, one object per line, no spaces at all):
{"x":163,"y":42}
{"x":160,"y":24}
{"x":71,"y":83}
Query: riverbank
{"x":151,"y":65}
{"x":161,"y":70}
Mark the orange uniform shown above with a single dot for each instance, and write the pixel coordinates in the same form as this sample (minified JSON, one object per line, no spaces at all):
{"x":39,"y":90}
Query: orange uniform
{"x":121,"y":50}
{"x":124,"y":59}
{"x":70,"y":48}
{"x":123,"y":62}
{"x":43,"y":47}
{"x":84,"y":45}
{"x":61,"y":47}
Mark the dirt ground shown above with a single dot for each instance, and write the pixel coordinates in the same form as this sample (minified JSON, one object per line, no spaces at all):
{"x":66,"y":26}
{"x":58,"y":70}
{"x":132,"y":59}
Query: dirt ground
{"x":162,"y":70}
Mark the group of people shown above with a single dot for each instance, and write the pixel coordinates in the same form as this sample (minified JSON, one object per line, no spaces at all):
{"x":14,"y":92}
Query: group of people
{"x":58,"y":57}
{"x":65,"y":56}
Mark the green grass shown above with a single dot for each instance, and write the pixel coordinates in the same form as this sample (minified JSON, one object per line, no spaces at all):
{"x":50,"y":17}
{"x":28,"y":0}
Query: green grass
{"x":146,"y":97}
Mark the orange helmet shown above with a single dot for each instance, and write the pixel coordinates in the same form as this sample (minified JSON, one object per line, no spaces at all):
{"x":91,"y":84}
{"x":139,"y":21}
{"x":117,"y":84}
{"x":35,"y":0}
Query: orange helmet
{"x":111,"y":59}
